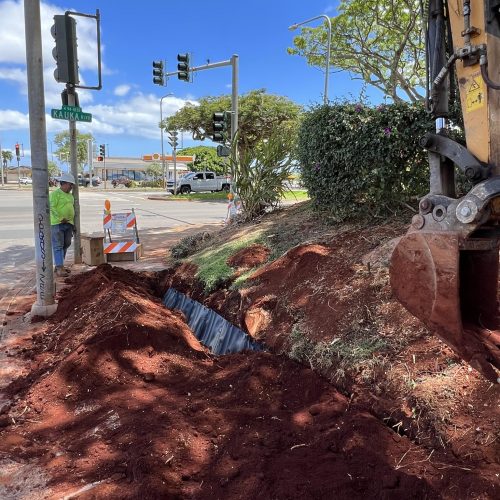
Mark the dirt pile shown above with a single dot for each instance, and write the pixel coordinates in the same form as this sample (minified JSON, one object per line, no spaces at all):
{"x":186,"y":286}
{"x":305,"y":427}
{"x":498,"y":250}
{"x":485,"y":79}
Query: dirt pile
{"x":122,"y":402}
{"x":328,"y":303}
{"x":251,"y":256}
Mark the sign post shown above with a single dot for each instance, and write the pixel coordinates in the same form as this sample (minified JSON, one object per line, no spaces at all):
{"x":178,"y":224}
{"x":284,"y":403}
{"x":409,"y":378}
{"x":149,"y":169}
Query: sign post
{"x":45,"y":304}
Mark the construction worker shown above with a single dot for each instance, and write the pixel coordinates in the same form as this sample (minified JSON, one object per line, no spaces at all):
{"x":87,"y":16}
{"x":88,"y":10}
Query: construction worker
{"x":62,"y":220}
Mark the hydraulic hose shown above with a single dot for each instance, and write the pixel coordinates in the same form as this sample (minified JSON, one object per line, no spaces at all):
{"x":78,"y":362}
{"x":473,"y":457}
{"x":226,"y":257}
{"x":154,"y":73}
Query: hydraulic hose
{"x":484,"y":73}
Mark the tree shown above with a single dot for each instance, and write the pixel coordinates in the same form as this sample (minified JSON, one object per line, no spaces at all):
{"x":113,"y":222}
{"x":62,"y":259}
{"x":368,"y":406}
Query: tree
{"x":53,"y":169}
{"x":63,"y":147}
{"x":259,"y":115}
{"x":261,"y":172}
{"x":377,"y":41}
{"x":205,"y":159}
{"x":7,"y":156}
{"x":155,"y":170}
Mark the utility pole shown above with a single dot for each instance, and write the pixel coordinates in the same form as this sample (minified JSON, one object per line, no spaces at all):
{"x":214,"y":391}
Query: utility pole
{"x":1,"y":163}
{"x":173,"y":134}
{"x":45,"y":304}
{"x":90,"y":161}
{"x":184,"y":70}
{"x":72,"y":99}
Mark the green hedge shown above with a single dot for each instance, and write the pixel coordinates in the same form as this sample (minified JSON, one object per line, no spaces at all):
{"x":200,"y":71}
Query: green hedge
{"x":362,"y":160}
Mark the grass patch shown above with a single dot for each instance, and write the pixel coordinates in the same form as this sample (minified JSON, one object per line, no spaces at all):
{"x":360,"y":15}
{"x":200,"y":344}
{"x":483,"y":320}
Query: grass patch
{"x":239,"y":282}
{"x":218,"y":196}
{"x":343,"y":356}
{"x":213,"y":269}
{"x":296,"y":195}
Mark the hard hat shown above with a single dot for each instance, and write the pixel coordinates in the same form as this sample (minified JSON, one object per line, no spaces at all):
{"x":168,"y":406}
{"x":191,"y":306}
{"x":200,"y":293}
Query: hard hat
{"x":66,"y":177}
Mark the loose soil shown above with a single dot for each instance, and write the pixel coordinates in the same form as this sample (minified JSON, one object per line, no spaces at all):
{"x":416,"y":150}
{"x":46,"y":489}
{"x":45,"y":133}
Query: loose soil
{"x":251,"y":256}
{"x":120,"y":400}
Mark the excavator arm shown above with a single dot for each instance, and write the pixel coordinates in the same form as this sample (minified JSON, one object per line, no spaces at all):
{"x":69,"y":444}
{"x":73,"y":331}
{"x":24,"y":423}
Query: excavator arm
{"x":445,"y":269}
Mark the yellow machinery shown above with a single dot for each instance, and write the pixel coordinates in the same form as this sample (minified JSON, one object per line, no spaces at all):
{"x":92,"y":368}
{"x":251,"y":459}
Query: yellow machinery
{"x":445,"y":269}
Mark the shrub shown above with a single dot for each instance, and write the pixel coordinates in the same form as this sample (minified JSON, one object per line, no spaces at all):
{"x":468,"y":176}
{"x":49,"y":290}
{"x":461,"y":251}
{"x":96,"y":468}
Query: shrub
{"x":262,"y":171}
{"x":362,"y":160}
{"x":152,"y":184}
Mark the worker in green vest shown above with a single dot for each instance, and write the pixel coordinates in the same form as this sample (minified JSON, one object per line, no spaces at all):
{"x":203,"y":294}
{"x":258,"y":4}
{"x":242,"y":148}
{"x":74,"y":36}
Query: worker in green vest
{"x":62,"y":220}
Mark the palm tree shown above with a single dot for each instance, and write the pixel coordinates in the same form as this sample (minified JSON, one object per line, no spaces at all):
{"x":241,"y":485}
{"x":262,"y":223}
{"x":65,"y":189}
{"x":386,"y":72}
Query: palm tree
{"x":7,"y":157}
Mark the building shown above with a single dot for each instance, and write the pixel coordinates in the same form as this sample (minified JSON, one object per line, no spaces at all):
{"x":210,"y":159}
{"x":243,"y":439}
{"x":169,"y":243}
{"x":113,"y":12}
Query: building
{"x":135,"y":168}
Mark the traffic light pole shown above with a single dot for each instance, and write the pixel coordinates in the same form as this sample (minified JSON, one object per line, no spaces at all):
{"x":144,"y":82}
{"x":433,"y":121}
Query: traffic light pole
{"x":45,"y":304}
{"x":1,"y":163}
{"x":74,"y":171}
{"x":90,"y":161}
{"x":233,"y":62}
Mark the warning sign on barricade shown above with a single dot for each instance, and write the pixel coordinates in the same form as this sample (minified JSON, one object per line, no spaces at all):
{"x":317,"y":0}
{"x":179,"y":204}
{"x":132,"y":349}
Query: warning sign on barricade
{"x":120,"y":234}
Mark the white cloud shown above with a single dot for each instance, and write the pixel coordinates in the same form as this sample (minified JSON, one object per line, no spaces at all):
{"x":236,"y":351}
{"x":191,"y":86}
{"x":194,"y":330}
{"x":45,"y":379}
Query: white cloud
{"x":136,"y":116}
{"x":122,"y":90}
{"x":13,"y":60}
{"x":329,"y":8}
{"x":13,"y":120}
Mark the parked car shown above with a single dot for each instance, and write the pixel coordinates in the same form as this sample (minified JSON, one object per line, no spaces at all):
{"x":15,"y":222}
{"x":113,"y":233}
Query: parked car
{"x":200,"y":181}
{"x":84,"y":181}
{"x":26,"y":180}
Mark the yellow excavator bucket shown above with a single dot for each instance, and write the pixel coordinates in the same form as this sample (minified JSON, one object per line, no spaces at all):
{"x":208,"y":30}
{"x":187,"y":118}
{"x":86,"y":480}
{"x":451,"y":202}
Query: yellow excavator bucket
{"x":450,"y":284}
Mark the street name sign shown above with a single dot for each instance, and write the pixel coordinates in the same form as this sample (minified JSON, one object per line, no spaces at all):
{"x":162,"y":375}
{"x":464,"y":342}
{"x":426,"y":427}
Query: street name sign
{"x":71,"y":113}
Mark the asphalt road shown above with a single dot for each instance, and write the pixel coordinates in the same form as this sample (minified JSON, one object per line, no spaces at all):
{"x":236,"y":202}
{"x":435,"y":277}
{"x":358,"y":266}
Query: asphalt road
{"x":16,"y":219}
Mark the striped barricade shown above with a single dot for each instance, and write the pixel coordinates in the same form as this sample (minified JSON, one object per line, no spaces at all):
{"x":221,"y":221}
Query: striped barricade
{"x":119,"y":222}
{"x":120,"y":247}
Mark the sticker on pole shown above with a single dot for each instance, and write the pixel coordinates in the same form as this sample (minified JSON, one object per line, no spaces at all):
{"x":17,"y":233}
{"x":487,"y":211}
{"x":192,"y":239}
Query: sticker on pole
{"x":474,"y":93}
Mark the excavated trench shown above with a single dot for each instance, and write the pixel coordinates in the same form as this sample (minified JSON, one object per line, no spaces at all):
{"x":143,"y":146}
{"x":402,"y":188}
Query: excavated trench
{"x":120,"y":394}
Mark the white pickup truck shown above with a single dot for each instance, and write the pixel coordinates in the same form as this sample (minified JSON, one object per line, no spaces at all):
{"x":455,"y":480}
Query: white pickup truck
{"x":200,"y":181}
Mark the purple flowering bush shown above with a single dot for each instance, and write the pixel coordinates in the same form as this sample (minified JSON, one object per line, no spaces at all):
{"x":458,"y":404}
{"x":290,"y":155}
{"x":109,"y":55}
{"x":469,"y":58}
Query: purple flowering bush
{"x":361,"y":160}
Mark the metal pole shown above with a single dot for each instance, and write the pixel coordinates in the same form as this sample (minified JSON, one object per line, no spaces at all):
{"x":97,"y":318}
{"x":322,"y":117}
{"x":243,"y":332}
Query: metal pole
{"x":234,"y":96}
{"x":328,"y":48}
{"x":161,"y":131}
{"x":74,"y":171}
{"x":162,"y":152}
{"x":234,"y":115}
{"x":105,"y":173}
{"x":18,"y":171}
{"x":1,"y":163}
{"x":174,"y":157}
{"x":45,"y":303}
{"x":89,"y":161}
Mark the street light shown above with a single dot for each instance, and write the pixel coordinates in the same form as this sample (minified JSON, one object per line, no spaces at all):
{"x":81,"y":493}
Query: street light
{"x":161,"y":131}
{"x":329,"y":22}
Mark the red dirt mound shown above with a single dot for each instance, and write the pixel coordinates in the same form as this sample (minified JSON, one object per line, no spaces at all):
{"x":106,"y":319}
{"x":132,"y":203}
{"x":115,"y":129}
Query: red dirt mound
{"x":119,"y":402}
{"x":252,"y":256}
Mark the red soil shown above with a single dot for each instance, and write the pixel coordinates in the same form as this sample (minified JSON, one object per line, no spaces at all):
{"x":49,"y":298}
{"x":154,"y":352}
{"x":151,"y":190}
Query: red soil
{"x":120,"y":391}
{"x":251,"y":256}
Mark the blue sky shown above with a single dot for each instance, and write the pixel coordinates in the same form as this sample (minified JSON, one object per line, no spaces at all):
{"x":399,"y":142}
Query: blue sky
{"x":126,"y":111}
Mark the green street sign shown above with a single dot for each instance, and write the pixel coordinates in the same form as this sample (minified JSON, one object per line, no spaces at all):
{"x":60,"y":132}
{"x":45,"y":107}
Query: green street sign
{"x":71,"y":113}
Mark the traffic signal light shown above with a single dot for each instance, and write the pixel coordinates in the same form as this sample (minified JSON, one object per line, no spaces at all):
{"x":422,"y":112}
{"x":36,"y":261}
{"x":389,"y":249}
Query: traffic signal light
{"x":183,"y":67}
{"x":65,"y":52}
{"x":18,"y":152}
{"x":158,"y":76}
{"x":220,"y":127}
{"x":172,"y":136}
{"x":100,"y":158}
{"x":102,"y":150}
